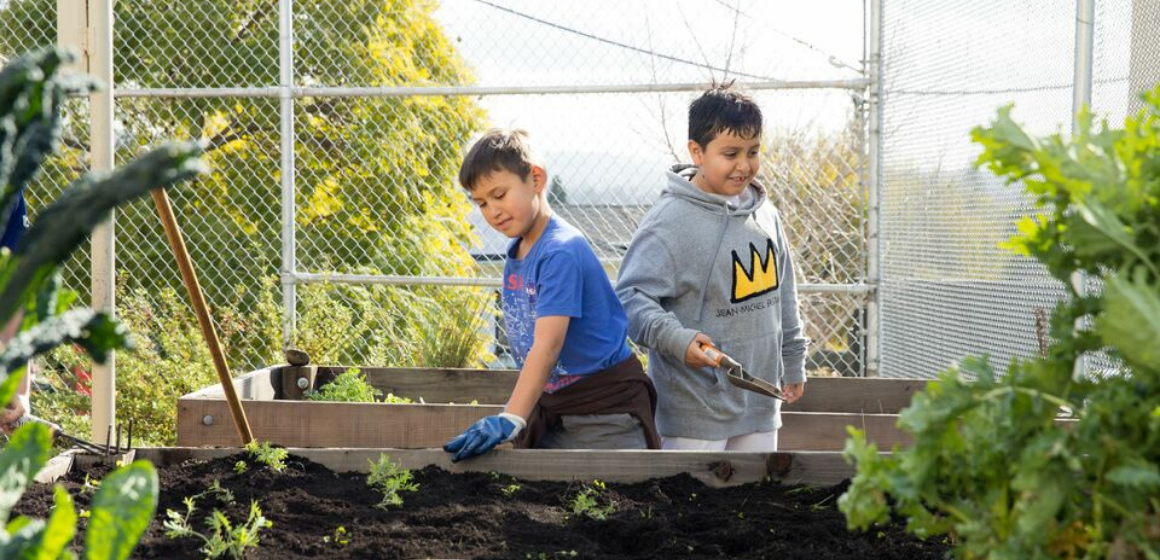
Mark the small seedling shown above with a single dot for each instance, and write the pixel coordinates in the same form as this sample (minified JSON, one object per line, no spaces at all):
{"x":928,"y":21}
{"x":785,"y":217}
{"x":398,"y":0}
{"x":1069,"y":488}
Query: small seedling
{"x":241,"y":467}
{"x":820,"y":506}
{"x":91,"y":485}
{"x":510,"y":490}
{"x":338,"y":539}
{"x":800,"y":490}
{"x":392,"y":399}
{"x":390,"y":479}
{"x":216,"y":490}
{"x":588,"y":502}
{"x":273,"y":457}
{"x":223,"y":539}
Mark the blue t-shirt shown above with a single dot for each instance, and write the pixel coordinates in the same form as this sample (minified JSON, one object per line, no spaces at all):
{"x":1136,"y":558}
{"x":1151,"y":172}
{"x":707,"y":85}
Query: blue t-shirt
{"x":17,"y":223}
{"x":561,"y":275}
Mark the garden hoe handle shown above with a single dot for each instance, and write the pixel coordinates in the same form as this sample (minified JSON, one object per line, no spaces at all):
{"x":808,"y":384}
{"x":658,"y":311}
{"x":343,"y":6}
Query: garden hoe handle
{"x":189,"y":275}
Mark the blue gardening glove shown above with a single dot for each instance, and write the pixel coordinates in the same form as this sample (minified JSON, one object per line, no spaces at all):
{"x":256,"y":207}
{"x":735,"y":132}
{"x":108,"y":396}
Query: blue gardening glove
{"x":484,"y":435}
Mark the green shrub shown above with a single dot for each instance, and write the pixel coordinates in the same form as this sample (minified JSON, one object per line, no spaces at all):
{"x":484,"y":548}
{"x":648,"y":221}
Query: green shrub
{"x":992,"y":465}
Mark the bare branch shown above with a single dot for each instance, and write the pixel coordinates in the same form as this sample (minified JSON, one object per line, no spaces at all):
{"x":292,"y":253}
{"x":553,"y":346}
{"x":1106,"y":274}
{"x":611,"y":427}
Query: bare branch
{"x":661,"y":104}
{"x":697,"y":42}
{"x":732,"y":39}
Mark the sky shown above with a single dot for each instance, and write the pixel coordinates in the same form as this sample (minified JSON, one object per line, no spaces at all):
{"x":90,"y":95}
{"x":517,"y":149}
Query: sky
{"x":613,"y":148}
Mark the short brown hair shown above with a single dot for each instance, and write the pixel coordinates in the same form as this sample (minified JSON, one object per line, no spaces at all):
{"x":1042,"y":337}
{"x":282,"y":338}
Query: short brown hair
{"x":498,"y":150}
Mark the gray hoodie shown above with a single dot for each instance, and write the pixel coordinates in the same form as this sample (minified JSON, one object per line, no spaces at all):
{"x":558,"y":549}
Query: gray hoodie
{"x":697,"y":264}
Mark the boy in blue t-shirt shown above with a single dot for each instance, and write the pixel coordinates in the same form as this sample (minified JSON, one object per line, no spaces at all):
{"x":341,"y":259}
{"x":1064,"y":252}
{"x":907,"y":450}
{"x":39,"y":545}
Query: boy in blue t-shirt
{"x":13,"y":232}
{"x":580,"y":386}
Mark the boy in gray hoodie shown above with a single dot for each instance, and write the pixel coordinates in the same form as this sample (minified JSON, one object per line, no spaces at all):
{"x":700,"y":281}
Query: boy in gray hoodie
{"x":710,"y":264}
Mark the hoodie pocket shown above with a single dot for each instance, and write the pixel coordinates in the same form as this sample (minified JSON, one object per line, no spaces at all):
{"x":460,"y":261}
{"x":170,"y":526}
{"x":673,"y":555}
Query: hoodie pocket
{"x":682,"y":387}
{"x":761,"y":358}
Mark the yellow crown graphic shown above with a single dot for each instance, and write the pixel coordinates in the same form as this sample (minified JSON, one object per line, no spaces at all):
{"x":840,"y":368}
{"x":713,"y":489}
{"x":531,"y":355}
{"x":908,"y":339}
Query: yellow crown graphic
{"x":762,"y":275}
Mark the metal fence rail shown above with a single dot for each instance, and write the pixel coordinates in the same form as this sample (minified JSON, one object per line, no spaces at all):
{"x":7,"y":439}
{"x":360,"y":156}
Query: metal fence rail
{"x":335,"y":129}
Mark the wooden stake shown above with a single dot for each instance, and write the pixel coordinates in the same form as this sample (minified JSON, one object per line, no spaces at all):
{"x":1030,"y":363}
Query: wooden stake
{"x":189,"y":276}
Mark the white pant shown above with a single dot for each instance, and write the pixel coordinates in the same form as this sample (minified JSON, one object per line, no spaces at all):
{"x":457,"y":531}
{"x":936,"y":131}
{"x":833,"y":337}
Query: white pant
{"x":758,"y":441}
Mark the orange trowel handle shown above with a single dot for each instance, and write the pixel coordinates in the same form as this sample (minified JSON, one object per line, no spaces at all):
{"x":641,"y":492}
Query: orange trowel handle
{"x":717,"y":356}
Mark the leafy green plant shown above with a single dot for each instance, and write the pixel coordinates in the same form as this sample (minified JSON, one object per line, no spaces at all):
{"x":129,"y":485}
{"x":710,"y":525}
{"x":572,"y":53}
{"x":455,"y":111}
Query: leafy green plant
{"x":224,"y":538}
{"x":510,"y":490}
{"x":390,"y":479}
{"x":264,"y":453}
{"x":348,"y":386}
{"x":592,"y":502}
{"x":241,"y":467}
{"x":31,"y":96}
{"x":1038,"y":462}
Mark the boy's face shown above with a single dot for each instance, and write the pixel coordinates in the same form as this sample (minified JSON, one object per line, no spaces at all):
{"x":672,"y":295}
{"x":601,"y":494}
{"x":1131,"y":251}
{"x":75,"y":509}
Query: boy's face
{"x":728,"y":164}
{"x":511,"y":205}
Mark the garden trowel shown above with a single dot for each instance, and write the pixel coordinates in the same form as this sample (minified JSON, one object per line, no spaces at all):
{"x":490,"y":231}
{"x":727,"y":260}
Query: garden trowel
{"x":737,"y":375}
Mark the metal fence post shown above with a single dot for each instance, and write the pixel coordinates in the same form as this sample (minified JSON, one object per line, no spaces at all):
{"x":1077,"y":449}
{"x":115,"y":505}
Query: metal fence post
{"x":286,"y":63}
{"x":873,"y":191}
{"x":1082,"y":98}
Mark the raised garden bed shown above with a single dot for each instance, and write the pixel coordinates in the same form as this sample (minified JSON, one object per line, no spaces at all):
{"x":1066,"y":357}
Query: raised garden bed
{"x":817,"y":422}
{"x":661,"y":506}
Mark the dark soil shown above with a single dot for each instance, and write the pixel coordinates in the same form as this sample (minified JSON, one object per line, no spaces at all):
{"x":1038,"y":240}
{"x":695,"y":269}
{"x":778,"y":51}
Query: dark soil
{"x":470,"y":516}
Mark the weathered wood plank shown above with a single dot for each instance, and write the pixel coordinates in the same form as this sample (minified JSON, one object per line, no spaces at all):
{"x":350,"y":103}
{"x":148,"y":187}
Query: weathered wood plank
{"x":713,"y":468}
{"x":443,"y":385}
{"x":254,"y":385}
{"x":826,"y":431}
{"x":446,"y":385}
{"x":324,"y":424}
{"x":874,"y":395}
{"x":55,"y":468}
{"x":823,"y":394}
{"x":416,"y":426}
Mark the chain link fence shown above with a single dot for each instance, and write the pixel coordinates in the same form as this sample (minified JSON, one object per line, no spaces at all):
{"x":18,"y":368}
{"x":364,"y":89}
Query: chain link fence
{"x":386,"y":261}
{"x":948,"y":290}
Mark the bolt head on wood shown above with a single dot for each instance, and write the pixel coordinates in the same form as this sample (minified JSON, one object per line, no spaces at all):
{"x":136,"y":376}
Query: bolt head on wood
{"x":296,"y":357}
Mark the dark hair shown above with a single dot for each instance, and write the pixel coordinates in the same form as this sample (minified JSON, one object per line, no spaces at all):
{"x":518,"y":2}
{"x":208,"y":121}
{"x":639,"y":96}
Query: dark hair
{"x":498,"y":150}
{"x":723,"y":109}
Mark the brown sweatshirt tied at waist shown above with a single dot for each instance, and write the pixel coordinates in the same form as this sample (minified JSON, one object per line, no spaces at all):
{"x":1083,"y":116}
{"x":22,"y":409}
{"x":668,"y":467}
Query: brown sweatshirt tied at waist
{"x":622,"y":388}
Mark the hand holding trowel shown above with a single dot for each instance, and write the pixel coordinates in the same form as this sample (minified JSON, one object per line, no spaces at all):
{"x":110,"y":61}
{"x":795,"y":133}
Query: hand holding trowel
{"x":737,"y":375}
